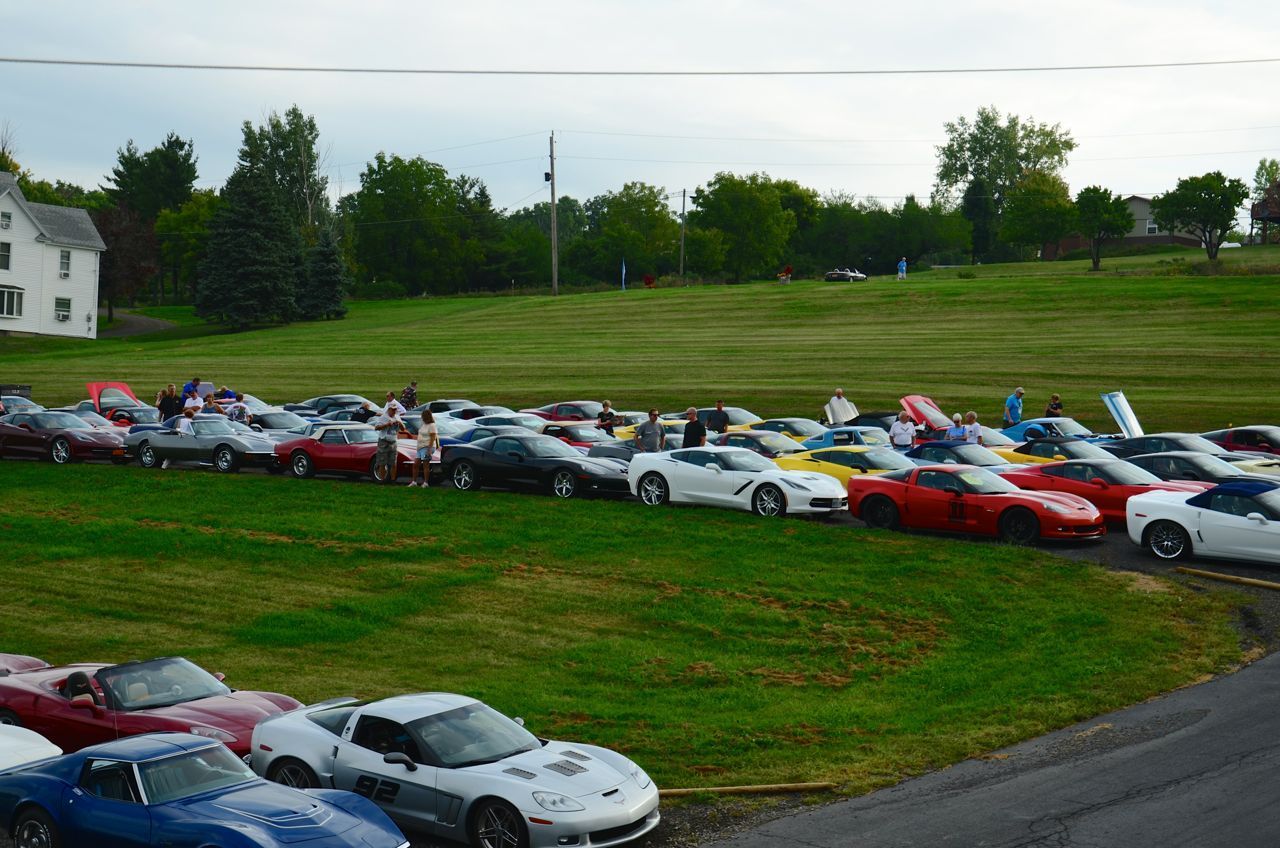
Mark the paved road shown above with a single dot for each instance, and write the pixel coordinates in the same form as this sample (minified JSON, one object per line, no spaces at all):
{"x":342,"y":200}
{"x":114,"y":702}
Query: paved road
{"x":1194,"y":768}
{"x":129,"y":324}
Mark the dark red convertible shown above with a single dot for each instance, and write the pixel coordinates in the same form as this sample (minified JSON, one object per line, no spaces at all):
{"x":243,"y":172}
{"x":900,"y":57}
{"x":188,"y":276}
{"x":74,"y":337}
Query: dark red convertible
{"x":57,"y":436}
{"x":74,"y":706}
{"x":340,"y":448}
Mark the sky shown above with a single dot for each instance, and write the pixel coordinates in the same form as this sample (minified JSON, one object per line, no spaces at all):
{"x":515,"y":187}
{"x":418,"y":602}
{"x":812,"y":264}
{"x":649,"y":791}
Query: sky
{"x":1138,"y":131}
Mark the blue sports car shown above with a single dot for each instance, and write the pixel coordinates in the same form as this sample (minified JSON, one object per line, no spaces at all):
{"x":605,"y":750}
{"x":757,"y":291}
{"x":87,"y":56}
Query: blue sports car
{"x":181,"y":790}
{"x":874,"y":437}
{"x":1038,"y":428}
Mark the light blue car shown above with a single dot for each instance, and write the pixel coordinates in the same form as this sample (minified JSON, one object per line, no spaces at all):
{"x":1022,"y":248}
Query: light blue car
{"x":874,"y":437}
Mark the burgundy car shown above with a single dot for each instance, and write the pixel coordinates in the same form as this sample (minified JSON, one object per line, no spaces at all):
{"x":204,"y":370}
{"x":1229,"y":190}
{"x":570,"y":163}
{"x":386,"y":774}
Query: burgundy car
{"x":57,"y":436}
{"x":74,"y":706}
{"x":570,"y":410}
{"x":1259,"y":438}
{"x":340,"y":448}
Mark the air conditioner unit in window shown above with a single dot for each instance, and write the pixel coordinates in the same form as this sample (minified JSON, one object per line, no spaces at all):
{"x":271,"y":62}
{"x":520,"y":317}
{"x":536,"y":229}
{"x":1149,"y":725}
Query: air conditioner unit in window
{"x":62,"y":316}
{"x":4,"y":225}
{"x":64,"y":274}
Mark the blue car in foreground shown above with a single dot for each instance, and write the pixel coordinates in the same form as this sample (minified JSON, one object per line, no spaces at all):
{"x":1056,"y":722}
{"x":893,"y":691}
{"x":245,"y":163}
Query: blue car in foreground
{"x":180,"y":790}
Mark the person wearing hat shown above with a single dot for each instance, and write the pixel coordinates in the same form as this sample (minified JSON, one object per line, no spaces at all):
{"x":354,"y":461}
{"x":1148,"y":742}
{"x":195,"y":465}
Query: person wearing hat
{"x":1013,"y":407}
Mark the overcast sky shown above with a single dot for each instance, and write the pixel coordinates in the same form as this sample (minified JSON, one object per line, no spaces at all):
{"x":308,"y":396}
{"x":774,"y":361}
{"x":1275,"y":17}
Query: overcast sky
{"x":1138,"y":130}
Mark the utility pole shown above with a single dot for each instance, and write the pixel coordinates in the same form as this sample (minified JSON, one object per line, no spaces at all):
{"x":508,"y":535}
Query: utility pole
{"x":555,"y":231}
{"x":682,"y":194}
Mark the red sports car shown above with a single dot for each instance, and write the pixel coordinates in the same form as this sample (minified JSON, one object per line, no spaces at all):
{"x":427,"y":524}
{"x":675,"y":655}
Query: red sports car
{"x":573,"y":410}
{"x":117,"y":403}
{"x":969,"y":499}
{"x":584,"y":435}
{"x":1105,"y":483}
{"x":340,"y":448}
{"x":57,"y":436}
{"x":1259,"y":438}
{"x":74,"y":706}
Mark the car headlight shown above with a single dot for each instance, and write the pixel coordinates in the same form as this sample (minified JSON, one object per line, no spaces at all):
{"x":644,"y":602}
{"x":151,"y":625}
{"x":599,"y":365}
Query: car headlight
{"x":793,"y":484}
{"x":213,"y":733}
{"x":638,"y":775}
{"x":557,"y":803}
{"x":1053,"y":507}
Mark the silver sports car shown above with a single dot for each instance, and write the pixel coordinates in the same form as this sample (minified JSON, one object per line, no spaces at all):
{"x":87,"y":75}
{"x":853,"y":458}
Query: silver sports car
{"x":451,"y":766}
{"x":214,"y":442}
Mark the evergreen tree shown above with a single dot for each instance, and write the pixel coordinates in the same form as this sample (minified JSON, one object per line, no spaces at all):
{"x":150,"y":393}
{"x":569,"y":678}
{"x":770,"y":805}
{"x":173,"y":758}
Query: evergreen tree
{"x":326,"y":281}
{"x":253,"y":262}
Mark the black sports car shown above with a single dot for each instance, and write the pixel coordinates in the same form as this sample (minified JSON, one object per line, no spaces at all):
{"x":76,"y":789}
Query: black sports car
{"x":326,"y":403}
{"x":1162,"y":442}
{"x":528,"y":460}
{"x":1192,"y":465}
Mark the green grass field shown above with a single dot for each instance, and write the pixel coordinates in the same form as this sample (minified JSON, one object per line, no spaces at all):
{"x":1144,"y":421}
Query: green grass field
{"x":712,"y":647}
{"x":1190,"y":352}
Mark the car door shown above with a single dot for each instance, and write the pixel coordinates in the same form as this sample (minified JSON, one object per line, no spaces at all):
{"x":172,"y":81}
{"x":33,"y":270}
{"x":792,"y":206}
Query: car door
{"x":1226,"y":531}
{"x":23,"y":439}
{"x":508,"y":460}
{"x":332,"y":453}
{"x":936,"y":501}
{"x":359,"y":766}
{"x":712,"y":485}
{"x":105,"y":807}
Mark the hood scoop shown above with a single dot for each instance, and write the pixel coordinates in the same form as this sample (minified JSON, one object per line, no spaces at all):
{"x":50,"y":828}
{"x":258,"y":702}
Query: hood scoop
{"x":519,"y":772}
{"x":576,"y":755}
{"x":565,"y":767}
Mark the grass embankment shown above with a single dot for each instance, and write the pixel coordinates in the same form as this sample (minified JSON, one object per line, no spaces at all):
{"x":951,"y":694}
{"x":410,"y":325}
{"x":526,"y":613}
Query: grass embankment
{"x":712,"y":647}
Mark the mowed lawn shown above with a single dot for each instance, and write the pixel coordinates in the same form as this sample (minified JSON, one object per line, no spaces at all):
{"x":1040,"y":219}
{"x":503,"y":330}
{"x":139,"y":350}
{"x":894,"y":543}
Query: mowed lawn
{"x":712,"y":647}
{"x":1191,"y":353}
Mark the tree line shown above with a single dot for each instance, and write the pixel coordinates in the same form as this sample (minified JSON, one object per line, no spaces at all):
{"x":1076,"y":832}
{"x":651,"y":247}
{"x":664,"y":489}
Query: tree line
{"x":270,"y":246}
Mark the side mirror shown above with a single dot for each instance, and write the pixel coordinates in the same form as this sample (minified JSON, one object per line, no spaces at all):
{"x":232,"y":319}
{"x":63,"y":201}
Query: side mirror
{"x":257,"y":428}
{"x":1257,"y":516}
{"x":956,"y":493}
{"x":713,"y":466}
{"x":1059,"y":457}
{"x":219,"y":676}
{"x":1189,"y":475}
{"x":85,"y":703}
{"x":857,"y":469}
{"x":400,"y":758}
{"x":519,"y":721}
{"x":1100,"y":483}
{"x":564,"y":439}
{"x":516,"y":455}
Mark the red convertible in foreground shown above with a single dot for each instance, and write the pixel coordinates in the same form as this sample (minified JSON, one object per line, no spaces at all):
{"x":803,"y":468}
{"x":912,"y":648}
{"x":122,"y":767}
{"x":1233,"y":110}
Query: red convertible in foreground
{"x":74,"y":706}
{"x":1105,"y":483}
{"x":969,"y":499}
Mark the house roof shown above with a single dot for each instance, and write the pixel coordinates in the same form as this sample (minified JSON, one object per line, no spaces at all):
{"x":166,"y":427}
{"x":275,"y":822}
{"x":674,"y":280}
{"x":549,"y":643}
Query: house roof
{"x":64,"y":225}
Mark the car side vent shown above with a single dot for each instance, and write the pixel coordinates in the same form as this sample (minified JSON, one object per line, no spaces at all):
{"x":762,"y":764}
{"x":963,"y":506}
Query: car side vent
{"x":565,"y":767}
{"x":576,"y":755}
{"x":519,"y":772}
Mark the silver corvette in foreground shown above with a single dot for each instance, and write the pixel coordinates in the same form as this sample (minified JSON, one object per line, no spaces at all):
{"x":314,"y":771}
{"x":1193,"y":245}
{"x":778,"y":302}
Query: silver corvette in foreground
{"x":451,"y":766}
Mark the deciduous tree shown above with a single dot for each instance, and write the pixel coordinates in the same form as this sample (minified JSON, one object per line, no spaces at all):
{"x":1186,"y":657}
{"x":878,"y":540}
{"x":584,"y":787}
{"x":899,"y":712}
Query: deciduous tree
{"x":1204,"y":206}
{"x":748,"y":212}
{"x":1039,"y":211}
{"x":183,"y":235}
{"x":1100,"y":215}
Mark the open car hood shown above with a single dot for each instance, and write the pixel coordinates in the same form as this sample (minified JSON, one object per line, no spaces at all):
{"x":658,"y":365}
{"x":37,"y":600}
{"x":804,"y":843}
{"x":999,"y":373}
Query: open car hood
{"x":96,"y":390}
{"x":1118,"y":405}
{"x":924,"y":411}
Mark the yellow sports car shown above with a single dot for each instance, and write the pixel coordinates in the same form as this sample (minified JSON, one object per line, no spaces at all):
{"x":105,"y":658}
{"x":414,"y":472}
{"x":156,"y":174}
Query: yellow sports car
{"x":844,"y":462}
{"x":1008,"y":450}
{"x":797,"y":428}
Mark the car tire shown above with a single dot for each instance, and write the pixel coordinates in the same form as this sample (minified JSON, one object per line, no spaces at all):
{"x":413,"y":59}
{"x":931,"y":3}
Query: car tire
{"x":225,"y":459}
{"x":768,"y":500}
{"x":34,"y":829}
{"x":378,"y":477}
{"x":1168,"y":540}
{"x":880,"y":512}
{"x":60,"y":451}
{"x":564,"y":484}
{"x":496,"y":824}
{"x":464,"y":476}
{"x":292,"y":772}
{"x":10,"y":718}
{"x":1019,"y":526}
{"x":301,"y":465}
{"x":653,"y":489}
{"x":147,"y":455}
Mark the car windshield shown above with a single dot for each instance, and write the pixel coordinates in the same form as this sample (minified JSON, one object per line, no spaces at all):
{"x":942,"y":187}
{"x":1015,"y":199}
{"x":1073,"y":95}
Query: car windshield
{"x":1200,"y":443}
{"x":255,"y":404}
{"x":976,"y":455}
{"x":546,"y":446}
{"x":278,"y":420}
{"x":590,"y":433}
{"x":981,"y":482}
{"x":1214,"y":466}
{"x":471,"y":735}
{"x":212,"y":428}
{"x":745,"y":460}
{"x":185,"y":775}
{"x":995,"y":439}
{"x":144,"y":414}
{"x":452,"y":426}
{"x":589,"y":408}
{"x":1271,"y":500}
{"x":778,"y":443}
{"x":803,"y":427}
{"x":158,"y":683}
{"x":59,"y":421}
{"x":531,"y":422}
{"x":1126,"y":474}
{"x":362,"y":436}
{"x":1071,"y":427}
{"x":741,"y":416}
{"x":93,"y":418}
{"x":887,"y":459}
{"x":1082,"y":450}
{"x":874,"y":436}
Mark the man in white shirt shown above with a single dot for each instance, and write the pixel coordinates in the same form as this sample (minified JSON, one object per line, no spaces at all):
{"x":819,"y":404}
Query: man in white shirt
{"x":839,"y":410}
{"x":392,"y":403}
{"x":193,"y":401}
{"x":902,"y":433}
{"x":183,"y":427}
{"x":972,"y":429}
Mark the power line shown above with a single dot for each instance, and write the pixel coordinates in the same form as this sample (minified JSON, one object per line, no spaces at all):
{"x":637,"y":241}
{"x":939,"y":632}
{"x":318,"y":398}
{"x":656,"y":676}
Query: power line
{"x":798,"y":140}
{"x":718,"y":163}
{"x":529,"y":72}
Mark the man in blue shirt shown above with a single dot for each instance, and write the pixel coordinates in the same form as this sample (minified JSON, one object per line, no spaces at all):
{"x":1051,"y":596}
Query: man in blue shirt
{"x":902,"y":268}
{"x":1013,"y":407}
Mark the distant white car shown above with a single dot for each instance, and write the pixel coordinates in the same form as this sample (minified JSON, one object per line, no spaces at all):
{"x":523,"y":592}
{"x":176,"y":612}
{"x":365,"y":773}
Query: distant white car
{"x":20,"y":747}
{"x":844,"y":275}
{"x":731,"y":477}
{"x":1232,"y":521}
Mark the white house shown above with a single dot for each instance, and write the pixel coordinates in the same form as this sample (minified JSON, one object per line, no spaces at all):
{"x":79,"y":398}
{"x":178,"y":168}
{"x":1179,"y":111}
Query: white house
{"x":48,"y":266}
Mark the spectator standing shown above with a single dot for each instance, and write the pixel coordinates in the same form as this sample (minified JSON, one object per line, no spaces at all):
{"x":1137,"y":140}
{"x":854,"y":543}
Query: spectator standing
{"x":392,"y":403}
{"x":211,"y":406}
{"x":902,"y":433}
{"x":388,"y":426}
{"x":183,"y":427}
{"x":839,"y":410}
{"x":651,"y":437}
{"x":169,"y":403}
{"x":193,"y":386}
{"x":902,"y":268}
{"x":409,"y":394}
{"x":956,"y":431}
{"x":695,"y":435}
{"x":236,"y":410}
{"x":972,"y":429}
{"x":718,"y":419}
{"x":1054,"y":409}
{"x":605,"y":419}
{"x":428,"y":444}
{"x":1013,"y":407}
{"x":365,"y":413}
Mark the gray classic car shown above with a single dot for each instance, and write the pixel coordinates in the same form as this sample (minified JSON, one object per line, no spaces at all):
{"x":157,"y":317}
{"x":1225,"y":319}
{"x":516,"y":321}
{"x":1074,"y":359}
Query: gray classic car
{"x":213,"y":442}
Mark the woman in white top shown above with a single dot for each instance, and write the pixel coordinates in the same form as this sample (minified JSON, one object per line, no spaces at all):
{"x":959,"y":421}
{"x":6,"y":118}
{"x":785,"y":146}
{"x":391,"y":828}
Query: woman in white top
{"x":972,"y":429}
{"x":428,"y":443}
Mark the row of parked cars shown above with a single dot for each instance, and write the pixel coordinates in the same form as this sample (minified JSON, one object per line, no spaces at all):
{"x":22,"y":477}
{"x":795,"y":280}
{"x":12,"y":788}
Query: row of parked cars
{"x":1045,"y":478}
{"x":161,"y":752}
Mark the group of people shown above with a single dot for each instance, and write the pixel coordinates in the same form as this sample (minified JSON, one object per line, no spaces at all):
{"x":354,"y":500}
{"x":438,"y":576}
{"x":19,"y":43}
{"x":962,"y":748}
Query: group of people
{"x":1013,"y":407}
{"x":389,"y":424}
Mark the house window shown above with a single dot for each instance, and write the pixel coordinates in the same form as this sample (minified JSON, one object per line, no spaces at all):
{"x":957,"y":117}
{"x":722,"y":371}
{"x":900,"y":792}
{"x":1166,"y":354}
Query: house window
{"x":1152,"y":227}
{"x":62,"y":308}
{"x":4,"y":256}
{"x":64,"y":263}
{"x":6,"y":220}
{"x":10,"y":302}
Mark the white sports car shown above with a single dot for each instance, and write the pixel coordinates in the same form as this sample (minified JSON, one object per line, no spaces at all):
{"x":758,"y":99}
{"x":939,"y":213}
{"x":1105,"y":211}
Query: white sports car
{"x":453,"y":767}
{"x":19,"y":747}
{"x":1231,"y":521}
{"x":732,"y":477}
